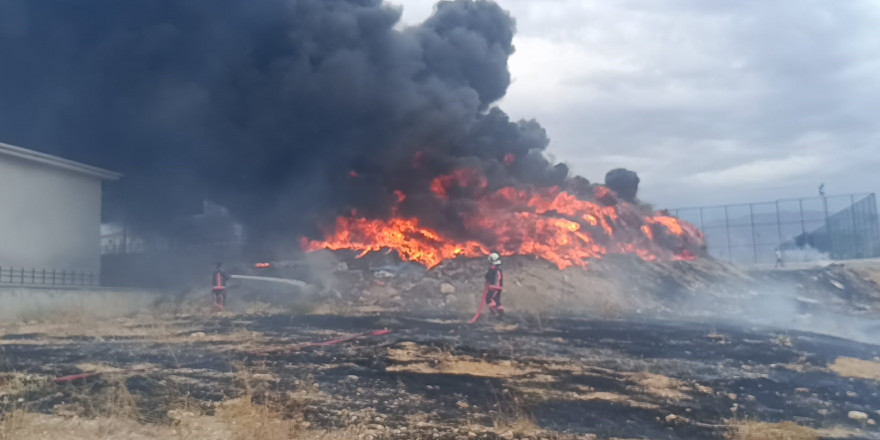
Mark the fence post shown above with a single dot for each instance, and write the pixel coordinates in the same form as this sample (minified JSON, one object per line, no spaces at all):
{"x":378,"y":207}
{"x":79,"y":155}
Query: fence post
{"x":727,"y":229}
{"x":875,"y":225}
{"x":778,"y":226}
{"x":803,"y":226}
{"x":44,"y":277}
{"x":21,"y":277}
{"x":852,"y":214}
{"x":827,"y":225}
{"x":53,"y":277}
{"x":63,"y":277}
{"x":754,"y":239}
{"x":33,"y":275}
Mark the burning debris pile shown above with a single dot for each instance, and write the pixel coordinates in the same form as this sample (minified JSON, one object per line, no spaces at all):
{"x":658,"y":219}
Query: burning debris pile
{"x":617,"y":285}
{"x":565,"y":226}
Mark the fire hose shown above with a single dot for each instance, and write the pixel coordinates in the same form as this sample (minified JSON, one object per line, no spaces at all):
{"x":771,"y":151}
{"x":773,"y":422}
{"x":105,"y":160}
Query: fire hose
{"x":482,"y":304}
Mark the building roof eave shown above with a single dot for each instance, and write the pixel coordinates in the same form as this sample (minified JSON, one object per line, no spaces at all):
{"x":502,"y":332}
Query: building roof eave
{"x":57,"y":162}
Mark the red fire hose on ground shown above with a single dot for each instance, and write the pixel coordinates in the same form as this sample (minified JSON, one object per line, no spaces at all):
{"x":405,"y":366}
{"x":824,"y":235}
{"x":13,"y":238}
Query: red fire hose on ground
{"x":482,"y":304}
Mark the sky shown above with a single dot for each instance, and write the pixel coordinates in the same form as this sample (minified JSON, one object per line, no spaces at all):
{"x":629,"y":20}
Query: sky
{"x":710,"y":102}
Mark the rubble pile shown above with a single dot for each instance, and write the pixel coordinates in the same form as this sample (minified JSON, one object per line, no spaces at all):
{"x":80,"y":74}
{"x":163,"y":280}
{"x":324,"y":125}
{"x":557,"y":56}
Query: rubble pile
{"x":617,"y":285}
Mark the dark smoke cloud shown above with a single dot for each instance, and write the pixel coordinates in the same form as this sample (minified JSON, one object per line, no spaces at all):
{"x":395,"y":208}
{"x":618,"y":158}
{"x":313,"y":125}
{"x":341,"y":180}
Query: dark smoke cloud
{"x":624,"y":182}
{"x":265,"y":106}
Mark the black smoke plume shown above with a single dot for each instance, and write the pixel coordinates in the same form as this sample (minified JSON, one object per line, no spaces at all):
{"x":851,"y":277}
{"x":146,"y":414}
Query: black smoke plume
{"x":624,"y":182}
{"x":286,"y":111}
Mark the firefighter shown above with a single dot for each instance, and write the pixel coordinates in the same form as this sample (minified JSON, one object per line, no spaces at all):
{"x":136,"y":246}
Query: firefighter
{"x":218,"y":286}
{"x":779,"y":261}
{"x":495,"y":285}
{"x":492,"y":289}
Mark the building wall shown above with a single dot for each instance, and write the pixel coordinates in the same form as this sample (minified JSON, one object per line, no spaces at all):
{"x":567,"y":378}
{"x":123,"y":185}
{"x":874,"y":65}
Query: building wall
{"x":49,"y":217}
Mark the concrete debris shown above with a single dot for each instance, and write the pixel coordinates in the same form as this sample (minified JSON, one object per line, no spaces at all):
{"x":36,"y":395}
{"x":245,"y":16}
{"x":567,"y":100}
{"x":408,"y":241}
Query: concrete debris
{"x":857,"y":416}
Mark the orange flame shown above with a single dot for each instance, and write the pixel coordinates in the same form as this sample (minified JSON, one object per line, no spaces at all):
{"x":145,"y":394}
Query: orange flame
{"x":548,"y":223}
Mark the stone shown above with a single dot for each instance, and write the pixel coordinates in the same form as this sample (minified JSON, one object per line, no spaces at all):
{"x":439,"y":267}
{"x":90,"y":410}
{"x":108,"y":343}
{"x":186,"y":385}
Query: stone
{"x":472,"y":434}
{"x":871,"y":422}
{"x":383,"y":274}
{"x":857,"y":416}
{"x":851,"y":394}
{"x":447,"y":288}
{"x":462,"y":405}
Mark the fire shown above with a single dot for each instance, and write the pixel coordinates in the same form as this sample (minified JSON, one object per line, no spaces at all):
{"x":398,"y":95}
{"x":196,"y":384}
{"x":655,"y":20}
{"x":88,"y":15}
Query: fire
{"x":547,"y":223}
{"x":412,"y":241}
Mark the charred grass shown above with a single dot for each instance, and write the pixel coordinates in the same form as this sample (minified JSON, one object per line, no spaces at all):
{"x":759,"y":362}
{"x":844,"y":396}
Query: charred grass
{"x":753,"y":430}
{"x":430,"y":378}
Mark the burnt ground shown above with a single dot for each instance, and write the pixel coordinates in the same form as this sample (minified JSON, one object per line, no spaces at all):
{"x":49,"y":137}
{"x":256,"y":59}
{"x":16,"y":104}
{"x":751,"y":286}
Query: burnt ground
{"x":436,"y":377}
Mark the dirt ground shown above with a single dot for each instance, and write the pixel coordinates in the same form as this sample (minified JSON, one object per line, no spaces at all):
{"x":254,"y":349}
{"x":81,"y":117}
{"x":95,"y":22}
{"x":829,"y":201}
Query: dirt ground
{"x":263,"y":371}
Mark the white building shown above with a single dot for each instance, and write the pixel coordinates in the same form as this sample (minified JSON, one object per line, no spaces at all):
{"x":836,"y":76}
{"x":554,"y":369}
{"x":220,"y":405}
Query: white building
{"x":50,"y":215}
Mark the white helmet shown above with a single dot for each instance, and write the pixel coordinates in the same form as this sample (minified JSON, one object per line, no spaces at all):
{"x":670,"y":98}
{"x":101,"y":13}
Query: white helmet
{"x":494,"y":259}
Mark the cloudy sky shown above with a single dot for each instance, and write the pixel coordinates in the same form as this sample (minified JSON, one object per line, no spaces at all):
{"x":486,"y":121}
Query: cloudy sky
{"x":711,"y":102}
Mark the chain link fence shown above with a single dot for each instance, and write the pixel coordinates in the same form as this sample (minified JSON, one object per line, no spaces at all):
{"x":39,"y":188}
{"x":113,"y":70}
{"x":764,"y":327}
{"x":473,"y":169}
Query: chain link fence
{"x":836,"y":227}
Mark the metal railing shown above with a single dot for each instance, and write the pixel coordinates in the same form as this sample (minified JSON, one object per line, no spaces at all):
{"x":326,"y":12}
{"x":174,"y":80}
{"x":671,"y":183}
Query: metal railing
{"x":46,"y":277}
{"x":837,"y":226}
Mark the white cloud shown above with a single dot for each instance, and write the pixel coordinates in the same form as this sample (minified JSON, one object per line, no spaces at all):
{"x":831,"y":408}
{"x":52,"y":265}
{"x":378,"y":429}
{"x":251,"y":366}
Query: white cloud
{"x":762,"y":171}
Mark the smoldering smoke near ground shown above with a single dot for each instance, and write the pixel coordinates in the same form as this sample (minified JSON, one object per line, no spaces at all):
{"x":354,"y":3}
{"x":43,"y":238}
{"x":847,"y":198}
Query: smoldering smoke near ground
{"x":286,"y":111}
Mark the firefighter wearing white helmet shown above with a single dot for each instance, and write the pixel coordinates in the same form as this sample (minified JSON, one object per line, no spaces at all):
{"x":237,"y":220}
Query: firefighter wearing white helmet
{"x":492,"y":289}
{"x":495,"y":285}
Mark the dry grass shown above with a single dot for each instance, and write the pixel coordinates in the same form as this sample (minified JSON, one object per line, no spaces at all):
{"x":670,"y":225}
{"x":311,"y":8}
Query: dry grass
{"x":857,"y":368}
{"x":752,"y":430}
{"x":414,"y":358}
{"x":247,"y":420}
{"x":661,"y":386}
{"x":111,"y":412}
{"x":22,"y":385}
{"x":782,"y":341}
